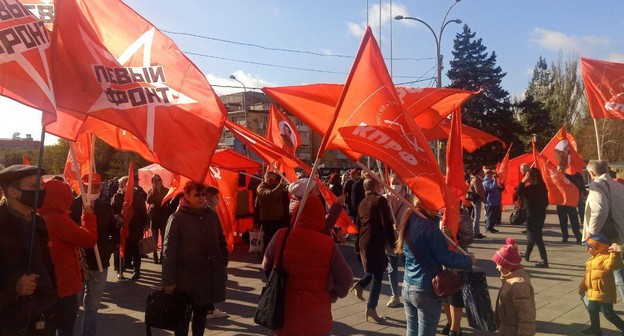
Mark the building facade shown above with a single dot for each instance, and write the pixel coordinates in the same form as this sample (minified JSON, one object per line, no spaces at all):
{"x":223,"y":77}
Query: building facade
{"x":17,"y":144}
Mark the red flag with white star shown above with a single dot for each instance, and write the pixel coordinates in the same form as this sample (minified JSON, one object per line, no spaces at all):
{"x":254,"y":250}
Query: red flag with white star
{"x":25,"y":48}
{"x":132,"y":76}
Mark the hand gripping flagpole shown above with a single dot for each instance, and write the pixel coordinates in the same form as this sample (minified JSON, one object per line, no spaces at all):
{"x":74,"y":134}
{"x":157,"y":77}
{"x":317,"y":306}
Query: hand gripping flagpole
{"x":408,"y":203}
{"x":96,"y":250}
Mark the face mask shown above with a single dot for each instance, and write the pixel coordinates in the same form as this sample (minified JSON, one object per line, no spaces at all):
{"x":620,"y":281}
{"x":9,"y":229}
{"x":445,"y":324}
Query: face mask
{"x":92,"y":197}
{"x":28,"y":198}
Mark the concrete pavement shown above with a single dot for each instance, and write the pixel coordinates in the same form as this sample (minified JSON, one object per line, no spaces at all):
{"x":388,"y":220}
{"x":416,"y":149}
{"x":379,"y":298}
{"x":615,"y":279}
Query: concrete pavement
{"x":559,"y":309}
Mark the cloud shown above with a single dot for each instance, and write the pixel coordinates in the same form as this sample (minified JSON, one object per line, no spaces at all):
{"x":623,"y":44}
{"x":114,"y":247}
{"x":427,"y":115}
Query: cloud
{"x":615,"y":57}
{"x":225,"y":85}
{"x":276,"y":11}
{"x":358,"y":29}
{"x":553,"y":40}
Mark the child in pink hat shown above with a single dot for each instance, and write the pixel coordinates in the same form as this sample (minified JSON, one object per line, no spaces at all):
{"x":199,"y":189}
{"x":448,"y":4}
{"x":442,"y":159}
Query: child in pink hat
{"x":515,"y":306}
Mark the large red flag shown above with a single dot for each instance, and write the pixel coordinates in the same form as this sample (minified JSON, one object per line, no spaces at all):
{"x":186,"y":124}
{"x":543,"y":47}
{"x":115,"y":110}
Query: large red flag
{"x":25,"y":60}
{"x":82,"y":148}
{"x":281,"y":130}
{"x":472,"y":138}
{"x":370,"y":119}
{"x":127,"y":210}
{"x":227,"y":183}
{"x":561,"y":191}
{"x":604,"y":84}
{"x":42,"y":9}
{"x":132,"y":76}
{"x":503,"y":168}
{"x":455,"y":158}
{"x":315,"y":104}
{"x":562,"y":149}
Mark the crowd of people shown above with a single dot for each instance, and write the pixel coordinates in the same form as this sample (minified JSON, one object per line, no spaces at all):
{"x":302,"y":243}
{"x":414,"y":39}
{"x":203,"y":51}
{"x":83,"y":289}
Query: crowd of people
{"x":55,"y":253}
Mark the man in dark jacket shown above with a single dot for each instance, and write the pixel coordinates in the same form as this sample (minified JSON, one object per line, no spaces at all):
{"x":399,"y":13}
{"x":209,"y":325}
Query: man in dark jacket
{"x":564,"y":212}
{"x":346,"y":189}
{"x":272,"y":205}
{"x":27,"y":296}
{"x":138,"y":224}
{"x":108,"y":237}
{"x":357,"y":194}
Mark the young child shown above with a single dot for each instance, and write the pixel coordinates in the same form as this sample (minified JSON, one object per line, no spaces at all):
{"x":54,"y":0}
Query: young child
{"x":515,"y":306}
{"x":598,"y":286}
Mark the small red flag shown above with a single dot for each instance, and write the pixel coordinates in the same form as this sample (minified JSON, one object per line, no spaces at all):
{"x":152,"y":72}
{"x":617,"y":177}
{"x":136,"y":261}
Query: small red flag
{"x":503,"y":169}
{"x":561,"y":191}
{"x":25,"y":160}
{"x":281,"y":130}
{"x":562,"y":149}
{"x":455,"y":158}
{"x":82,"y":148}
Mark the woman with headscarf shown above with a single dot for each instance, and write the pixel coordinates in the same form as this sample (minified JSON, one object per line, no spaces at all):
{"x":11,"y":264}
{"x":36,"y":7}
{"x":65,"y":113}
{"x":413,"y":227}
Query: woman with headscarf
{"x":376,"y":235}
{"x":317,"y":272}
{"x":534,"y":194}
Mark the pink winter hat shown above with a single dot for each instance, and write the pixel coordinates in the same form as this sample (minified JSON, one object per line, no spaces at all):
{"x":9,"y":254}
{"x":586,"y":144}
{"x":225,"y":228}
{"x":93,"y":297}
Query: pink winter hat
{"x":508,"y":256}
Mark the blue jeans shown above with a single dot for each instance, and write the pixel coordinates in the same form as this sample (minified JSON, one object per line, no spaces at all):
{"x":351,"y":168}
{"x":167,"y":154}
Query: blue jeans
{"x":477,"y":217}
{"x":594,"y":308}
{"x":492,"y":216}
{"x":619,"y":281}
{"x":93,"y":290}
{"x":393,"y":273}
{"x":422,"y":310}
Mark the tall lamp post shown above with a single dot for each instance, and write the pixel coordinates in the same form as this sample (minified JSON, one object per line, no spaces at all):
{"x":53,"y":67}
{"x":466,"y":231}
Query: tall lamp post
{"x":437,"y":38}
{"x":244,"y":98}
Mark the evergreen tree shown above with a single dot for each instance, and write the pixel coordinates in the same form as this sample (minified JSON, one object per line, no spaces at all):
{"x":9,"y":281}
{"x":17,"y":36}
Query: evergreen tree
{"x":535,"y":119}
{"x":473,"y":68}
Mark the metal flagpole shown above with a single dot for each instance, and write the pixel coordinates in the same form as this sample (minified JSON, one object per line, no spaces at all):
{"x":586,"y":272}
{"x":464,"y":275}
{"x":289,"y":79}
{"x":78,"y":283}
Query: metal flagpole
{"x":37,"y":194}
{"x":597,"y":140}
{"x":96,"y":250}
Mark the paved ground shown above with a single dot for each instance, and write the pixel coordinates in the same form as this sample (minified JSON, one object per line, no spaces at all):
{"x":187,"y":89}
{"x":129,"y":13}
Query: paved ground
{"x":559,"y":310}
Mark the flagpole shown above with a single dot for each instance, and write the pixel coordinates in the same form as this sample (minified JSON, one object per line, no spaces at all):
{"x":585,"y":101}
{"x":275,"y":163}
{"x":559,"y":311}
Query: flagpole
{"x":96,"y":250}
{"x":597,"y":140}
{"x":37,"y":194}
{"x":408,"y":203}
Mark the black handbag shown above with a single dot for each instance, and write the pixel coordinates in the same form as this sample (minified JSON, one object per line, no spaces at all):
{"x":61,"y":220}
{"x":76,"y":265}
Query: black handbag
{"x":518,"y":216}
{"x":169,"y":311}
{"x":477,"y":301}
{"x":270,"y":311}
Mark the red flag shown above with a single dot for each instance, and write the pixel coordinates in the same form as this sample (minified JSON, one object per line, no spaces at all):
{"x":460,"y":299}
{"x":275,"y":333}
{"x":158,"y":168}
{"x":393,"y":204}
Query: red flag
{"x":604,"y":84}
{"x":513,"y":176}
{"x":127,"y":211}
{"x":560,"y":190}
{"x":42,"y":9}
{"x":503,"y":169}
{"x":428,"y":106}
{"x":281,"y":130}
{"x":472,"y":138}
{"x":25,"y":59}
{"x":370,"y":119}
{"x":132,"y":76}
{"x":25,"y":160}
{"x":455,"y":158}
{"x":562,"y":149}
{"x":82,"y":148}
{"x":227,"y":183}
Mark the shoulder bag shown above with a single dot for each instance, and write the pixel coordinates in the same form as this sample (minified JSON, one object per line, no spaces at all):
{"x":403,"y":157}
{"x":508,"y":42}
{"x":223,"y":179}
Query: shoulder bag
{"x":445,"y":283}
{"x":270,"y":311}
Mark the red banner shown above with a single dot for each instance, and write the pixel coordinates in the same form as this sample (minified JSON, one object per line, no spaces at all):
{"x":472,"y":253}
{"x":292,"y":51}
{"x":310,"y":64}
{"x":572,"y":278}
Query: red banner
{"x":472,"y":138}
{"x":43,"y":10}
{"x":82,"y":148}
{"x":562,"y":149}
{"x":561,"y":191}
{"x":604,"y":84}
{"x":514,"y":177}
{"x":132,"y":76}
{"x":25,"y":46}
{"x":281,"y":130}
{"x":503,"y":169}
{"x":455,"y":158}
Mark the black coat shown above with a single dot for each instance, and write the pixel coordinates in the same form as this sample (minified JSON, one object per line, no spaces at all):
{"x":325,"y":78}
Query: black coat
{"x":195,"y":255}
{"x":139,"y":221}
{"x":376,"y":232}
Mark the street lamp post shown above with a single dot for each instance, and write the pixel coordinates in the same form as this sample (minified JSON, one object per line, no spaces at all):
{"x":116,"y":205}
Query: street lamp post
{"x":244,"y":98}
{"x":437,"y":38}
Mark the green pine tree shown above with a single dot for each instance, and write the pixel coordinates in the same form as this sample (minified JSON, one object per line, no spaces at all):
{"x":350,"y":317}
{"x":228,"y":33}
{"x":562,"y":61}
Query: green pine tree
{"x":473,"y":68}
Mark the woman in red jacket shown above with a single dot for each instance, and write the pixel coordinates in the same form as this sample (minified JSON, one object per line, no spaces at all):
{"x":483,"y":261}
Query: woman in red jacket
{"x":317,"y":272}
{"x":65,"y":239}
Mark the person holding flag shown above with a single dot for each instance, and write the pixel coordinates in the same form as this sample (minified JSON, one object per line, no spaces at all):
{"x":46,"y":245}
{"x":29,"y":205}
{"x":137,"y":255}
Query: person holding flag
{"x":107,"y":238}
{"x":532,"y":190}
{"x":138,"y":222}
{"x":26,"y":289}
{"x":564,"y":211}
